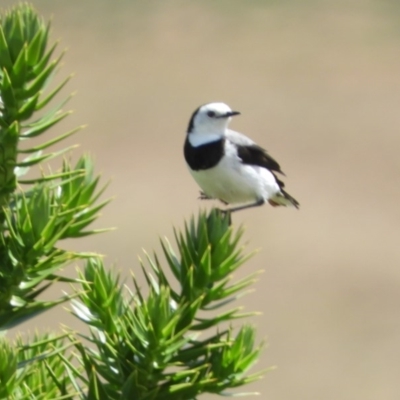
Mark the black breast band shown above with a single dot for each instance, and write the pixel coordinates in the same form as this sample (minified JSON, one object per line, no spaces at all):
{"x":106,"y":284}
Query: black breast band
{"x":205,"y":156}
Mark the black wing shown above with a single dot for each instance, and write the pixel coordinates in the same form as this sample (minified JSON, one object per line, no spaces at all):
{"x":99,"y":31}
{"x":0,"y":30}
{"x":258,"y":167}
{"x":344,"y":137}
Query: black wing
{"x":256,"y":155}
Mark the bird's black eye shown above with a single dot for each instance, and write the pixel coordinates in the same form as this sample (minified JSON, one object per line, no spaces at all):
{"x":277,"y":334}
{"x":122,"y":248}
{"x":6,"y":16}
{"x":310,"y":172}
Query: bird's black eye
{"x":211,"y":114}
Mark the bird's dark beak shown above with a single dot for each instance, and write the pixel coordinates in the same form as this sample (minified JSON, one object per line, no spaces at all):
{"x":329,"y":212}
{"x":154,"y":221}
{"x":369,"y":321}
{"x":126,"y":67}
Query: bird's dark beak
{"x":233,"y":113}
{"x":230,"y":114}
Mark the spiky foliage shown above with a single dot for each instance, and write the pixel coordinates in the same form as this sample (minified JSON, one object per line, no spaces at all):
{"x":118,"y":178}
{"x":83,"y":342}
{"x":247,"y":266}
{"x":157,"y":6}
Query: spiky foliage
{"x":26,"y":66}
{"x":171,"y":340}
{"x":160,"y":346}
{"x":35,"y":370}
{"x":52,"y":207}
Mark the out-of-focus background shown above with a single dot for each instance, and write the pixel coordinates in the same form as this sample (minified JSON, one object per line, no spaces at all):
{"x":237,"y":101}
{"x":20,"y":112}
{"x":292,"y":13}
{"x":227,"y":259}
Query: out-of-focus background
{"x":318,"y":85}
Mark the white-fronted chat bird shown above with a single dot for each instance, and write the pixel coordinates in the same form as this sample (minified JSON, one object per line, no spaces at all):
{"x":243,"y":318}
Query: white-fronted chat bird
{"x":228,"y":165}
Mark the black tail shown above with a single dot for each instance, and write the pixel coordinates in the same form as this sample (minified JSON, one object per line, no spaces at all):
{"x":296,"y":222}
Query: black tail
{"x":291,"y":199}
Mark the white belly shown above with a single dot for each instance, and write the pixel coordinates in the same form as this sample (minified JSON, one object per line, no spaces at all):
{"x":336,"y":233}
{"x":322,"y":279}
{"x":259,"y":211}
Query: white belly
{"x":234,"y":182}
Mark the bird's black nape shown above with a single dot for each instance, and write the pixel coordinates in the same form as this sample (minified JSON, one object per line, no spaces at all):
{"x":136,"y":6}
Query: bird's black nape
{"x":191,"y":121}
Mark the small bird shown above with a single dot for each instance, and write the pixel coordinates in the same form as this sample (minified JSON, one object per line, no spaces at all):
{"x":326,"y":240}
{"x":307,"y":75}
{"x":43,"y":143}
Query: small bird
{"x":228,"y":165}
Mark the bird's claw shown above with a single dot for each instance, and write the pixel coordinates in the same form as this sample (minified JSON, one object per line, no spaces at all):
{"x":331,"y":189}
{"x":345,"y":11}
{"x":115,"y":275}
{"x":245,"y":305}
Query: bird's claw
{"x":225,"y":214}
{"x":203,"y":196}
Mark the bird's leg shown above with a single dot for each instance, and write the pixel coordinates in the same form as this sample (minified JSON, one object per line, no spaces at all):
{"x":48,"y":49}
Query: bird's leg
{"x":256,"y":204}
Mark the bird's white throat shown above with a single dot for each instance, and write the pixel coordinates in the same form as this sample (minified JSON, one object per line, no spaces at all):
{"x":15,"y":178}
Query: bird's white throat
{"x":199,"y":139}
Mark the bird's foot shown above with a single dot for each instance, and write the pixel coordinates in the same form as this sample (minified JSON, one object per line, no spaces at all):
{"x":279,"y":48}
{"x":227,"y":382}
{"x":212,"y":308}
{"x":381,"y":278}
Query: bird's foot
{"x":225,"y":214}
{"x":203,"y":196}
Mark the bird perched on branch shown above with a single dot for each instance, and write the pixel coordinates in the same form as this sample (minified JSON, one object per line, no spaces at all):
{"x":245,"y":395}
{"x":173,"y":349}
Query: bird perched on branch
{"x":228,"y":165}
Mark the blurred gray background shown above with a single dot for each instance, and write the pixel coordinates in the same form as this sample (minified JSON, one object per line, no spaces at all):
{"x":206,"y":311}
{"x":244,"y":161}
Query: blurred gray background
{"x":318,"y":85}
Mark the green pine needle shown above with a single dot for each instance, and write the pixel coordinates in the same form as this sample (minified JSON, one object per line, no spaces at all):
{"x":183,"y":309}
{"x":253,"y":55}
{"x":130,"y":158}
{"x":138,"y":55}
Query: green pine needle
{"x":146,"y":343}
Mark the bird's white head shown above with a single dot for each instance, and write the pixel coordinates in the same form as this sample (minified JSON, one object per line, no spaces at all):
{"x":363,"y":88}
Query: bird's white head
{"x":211,"y":118}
